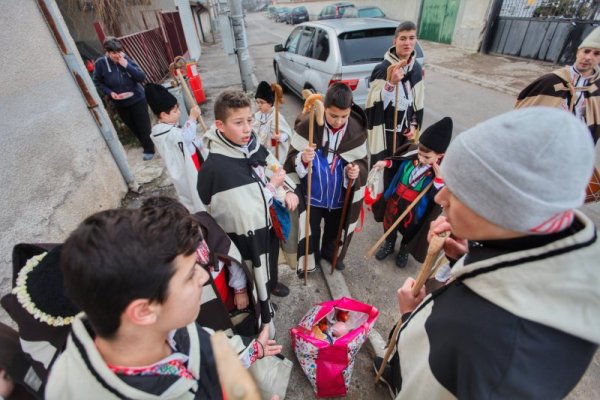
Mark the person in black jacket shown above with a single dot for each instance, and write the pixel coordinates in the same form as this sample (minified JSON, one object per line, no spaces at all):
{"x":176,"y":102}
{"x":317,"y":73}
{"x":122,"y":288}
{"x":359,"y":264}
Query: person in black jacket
{"x":120,"y":78}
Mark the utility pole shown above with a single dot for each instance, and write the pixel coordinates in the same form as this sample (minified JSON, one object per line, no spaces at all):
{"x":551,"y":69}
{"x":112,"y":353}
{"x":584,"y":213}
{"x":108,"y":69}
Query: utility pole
{"x":241,"y":43}
{"x":189,"y":28}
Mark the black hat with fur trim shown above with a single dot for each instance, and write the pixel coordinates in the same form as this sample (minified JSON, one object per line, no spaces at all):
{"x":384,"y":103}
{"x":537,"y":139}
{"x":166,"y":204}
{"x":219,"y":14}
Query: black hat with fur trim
{"x":159,"y":99}
{"x":437,"y":136}
{"x":264,"y":91}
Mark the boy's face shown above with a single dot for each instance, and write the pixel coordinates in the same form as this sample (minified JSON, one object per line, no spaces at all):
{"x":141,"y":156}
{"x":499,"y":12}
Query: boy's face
{"x":263,"y":106}
{"x":405,"y":43}
{"x":237,"y":127}
{"x":182,"y":304}
{"x":336,"y":117}
{"x":115,"y":56}
{"x":172,"y":117}
{"x":586,"y":60}
{"x":428,"y":157}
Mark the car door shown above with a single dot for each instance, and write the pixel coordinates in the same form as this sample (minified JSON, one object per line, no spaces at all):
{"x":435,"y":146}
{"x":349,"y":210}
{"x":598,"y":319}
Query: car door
{"x":285,"y":57}
{"x":301,"y":61}
{"x":320,"y":66}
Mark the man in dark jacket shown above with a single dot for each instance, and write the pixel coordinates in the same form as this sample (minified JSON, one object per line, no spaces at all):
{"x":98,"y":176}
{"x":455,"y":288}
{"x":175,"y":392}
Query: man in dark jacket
{"x":120,"y":78}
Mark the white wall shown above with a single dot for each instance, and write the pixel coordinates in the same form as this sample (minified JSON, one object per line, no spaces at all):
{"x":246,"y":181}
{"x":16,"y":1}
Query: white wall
{"x":56,"y":168}
{"x":470,"y":22}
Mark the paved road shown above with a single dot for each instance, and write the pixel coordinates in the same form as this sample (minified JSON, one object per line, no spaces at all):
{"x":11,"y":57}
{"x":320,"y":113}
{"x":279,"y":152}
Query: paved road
{"x":372,"y":281}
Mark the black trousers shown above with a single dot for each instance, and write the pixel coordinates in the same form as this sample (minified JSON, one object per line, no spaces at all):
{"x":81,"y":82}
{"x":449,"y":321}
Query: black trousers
{"x":273,"y":258}
{"x":407,"y":237}
{"x":331,"y":219}
{"x":137,"y":120}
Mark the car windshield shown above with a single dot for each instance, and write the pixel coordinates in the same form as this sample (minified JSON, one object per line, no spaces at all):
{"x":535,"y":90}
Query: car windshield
{"x":365,"y":46}
{"x":370,"y":13}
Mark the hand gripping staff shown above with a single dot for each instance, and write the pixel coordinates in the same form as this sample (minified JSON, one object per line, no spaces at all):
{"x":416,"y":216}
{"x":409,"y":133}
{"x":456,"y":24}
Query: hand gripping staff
{"x":397,"y":222}
{"x":433,"y":251}
{"x":278,"y":91}
{"x":390,"y":71}
{"x":314,"y":105}
{"x":176,"y":66}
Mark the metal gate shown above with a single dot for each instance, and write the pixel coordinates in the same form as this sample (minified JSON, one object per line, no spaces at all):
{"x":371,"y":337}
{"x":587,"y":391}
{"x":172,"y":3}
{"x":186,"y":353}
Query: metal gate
{"x":548,"y":30}
{"x":437,"y":21}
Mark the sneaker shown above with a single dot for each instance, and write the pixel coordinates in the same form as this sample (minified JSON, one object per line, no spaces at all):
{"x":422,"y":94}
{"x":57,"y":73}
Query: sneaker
{"x":300,"y":270}
{"x":402,"y":257}
{"x":339,"y":265}
{"x":280,"y":290}
{"x":148,"y":156}
{"x":385,"y":250}
{"x":386,"y":377}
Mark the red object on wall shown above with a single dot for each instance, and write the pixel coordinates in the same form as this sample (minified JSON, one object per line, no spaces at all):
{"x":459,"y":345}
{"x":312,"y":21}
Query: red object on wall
{"x":195,"y":82}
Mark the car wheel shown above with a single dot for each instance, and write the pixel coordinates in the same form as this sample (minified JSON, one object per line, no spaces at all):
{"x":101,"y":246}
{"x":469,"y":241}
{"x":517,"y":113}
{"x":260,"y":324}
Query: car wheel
{"x":278,"y":76}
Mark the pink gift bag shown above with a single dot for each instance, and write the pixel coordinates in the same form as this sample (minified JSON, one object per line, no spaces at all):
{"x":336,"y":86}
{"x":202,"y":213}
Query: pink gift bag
{"x":326,"y":342}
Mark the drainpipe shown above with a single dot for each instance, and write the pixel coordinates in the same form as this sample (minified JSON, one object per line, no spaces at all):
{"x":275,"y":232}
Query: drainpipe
{"x":70,"y":54}
{"x":189,"y":29}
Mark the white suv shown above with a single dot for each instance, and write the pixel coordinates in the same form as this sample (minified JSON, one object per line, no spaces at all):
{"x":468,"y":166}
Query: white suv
{"x":318,"y":54}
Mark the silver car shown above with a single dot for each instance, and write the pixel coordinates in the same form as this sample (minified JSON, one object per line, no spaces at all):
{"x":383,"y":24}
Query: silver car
{"x":317,"y":54}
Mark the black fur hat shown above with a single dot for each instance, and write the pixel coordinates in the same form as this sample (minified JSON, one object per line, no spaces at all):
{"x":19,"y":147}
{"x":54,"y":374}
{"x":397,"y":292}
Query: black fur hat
{"x":437,"y":136}
{"x":264,"y":91}
{"x":159,"y":99}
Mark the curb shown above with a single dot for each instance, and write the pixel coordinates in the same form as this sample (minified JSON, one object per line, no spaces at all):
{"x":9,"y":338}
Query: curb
{"x":473,"y":79}
{"x":336,"y":283}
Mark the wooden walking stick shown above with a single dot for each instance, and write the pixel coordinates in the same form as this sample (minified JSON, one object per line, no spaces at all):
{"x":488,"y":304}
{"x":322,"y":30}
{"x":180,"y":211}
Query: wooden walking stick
{"x":176,"y":66}
{"x":236,"y":381}
{"x":278,"y":91}
{"x":338,"y":238}
{"x":314,"y":105}
{"x":398,"y":220}
{"x":390,"y":71}
{"x":433,"y":251}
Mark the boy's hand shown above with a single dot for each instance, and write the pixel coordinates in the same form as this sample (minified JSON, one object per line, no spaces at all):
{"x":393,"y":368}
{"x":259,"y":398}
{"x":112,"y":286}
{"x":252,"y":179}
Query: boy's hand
{"x":114,"y":95}
{"x":195,"y":113}
{"x":454,"y":247}
{"x":122,"y":60}
{"x":291,"y":201}
{"x":406,"y":301}
{"x":241,"y":300}
{"x":276,"y":136}
{"x":278,"y":177}
{"x":396,"y":73}
{"x":437,"y":170}
{"x":267,"y":346}
{"x":410,"y":134}
{"x":308,"y":154}
{"x":352,"y":171}
{"x":380,"y":164}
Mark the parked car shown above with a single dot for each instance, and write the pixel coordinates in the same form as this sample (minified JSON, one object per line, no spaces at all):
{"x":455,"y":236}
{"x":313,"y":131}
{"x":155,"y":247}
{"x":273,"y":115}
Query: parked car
{"x":320,"y":53}
{"x":335,"y":10}
{"x":281,"y":14}
{"x":298,"y":14}
{"x":271,"y":12}
{"x":364,"y":12}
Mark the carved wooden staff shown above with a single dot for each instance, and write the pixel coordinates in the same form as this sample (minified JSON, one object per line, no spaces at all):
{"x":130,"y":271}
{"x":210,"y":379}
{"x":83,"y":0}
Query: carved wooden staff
{"x":278,"y":91}
{"x":433,"y":251}
{"x":338,"y":238}
{"x":397,"y":222}
{"x":236,"y":381}
{"x":176,"y":66}
{"x":390,"y":71}
{"x":314,"y":105}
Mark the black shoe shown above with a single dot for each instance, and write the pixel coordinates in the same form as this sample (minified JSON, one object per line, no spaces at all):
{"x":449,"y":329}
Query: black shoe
{"x":300,"y":270}
{"x":280,"y":290}
{"x":339,"y":265}
{"x":386,"y":377}
{"x":385,"y":250}
{"x":402,"y":258}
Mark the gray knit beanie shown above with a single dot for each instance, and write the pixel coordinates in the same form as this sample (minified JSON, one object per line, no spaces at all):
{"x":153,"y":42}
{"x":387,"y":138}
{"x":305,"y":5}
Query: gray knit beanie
{"x":524,"y":170}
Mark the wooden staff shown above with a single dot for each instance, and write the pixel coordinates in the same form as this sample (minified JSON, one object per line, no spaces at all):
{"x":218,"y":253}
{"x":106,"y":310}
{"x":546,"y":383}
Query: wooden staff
{"x":390,"y":71}
{"x":178,"y":63}
{"x":236,"y":381}
{"x":338,"y":239}
{"x":278,"y":91}
{"x":397,"y":222}
{"x":435,"y":247}
{"x":312,"y":102}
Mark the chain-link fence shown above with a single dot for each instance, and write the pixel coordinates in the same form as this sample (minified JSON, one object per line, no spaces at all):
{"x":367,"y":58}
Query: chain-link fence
{"x":552,"y":9}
